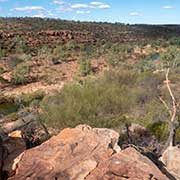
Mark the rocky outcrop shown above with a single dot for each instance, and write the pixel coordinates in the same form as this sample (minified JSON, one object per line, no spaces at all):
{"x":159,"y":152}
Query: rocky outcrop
{"x":171,"y":158}
{"x":73,"y":154}
{"x":84,"y":153}
{"x":128,"y":164}
{"x":13,"y":146}
{"x":33,"y":39}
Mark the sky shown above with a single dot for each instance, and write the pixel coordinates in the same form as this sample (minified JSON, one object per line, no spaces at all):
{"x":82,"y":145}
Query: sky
{"x":123,"y":11}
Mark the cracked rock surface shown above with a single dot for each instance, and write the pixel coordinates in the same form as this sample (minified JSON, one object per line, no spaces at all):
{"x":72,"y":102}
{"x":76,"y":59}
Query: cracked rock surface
{"x":84,"y":153}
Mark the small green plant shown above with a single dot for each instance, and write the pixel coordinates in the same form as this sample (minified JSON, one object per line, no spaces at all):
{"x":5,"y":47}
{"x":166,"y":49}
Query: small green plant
{"x":160,"y":130}
{"x":20,"y":74}
{"x":32,"y":98}
{"x":85,"y":66}
{"x":2,"y":53}
{"x":20,"y":45}
{"x":99,"y":103}
{"x":145,"y":65}
{"x":61,"y":53}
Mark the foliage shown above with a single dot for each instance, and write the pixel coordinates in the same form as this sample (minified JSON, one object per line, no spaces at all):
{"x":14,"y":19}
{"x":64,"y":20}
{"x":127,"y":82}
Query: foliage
{"x":20,"y":74}
{"x":93,"y":102}
{"x":105,"y":101}
{"x":131,"y":89}
{"x":2,"y":52}
{"x":171,"y":58}
{"x":8,"y":108}
{"x":118,"y":54}
{"x":160,"y":130}
{"x":85,"y":66}
{"x":31,"y":98}
{"x":20,"y":45}
{"x":145,"y":65}
{"x":61,"y":52}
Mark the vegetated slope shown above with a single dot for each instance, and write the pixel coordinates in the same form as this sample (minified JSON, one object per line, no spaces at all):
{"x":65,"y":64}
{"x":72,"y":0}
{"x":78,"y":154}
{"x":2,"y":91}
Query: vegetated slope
{"x":112,"y":75}
{"x":45,"y":54}
{"x":37,"y":31}
{"x":100,"y":29}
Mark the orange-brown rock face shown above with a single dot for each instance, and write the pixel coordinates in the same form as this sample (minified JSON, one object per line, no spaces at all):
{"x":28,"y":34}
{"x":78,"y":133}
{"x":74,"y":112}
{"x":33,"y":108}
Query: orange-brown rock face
{"x":83,"y":153}
{"x":128,"y":164}
{"x":73,"y":154}
{"x":14,"y":146}
{"x":34,"y":39}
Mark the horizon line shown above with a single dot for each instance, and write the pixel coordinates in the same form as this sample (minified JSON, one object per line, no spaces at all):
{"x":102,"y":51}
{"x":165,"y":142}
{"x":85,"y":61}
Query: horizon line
{"x":109,"y":22}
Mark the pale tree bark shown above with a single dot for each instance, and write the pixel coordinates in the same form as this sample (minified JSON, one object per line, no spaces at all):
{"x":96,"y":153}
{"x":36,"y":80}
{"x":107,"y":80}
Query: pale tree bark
{"x":171,"y":139}
{"x":9,"y":127}
{"x":172,"y":112}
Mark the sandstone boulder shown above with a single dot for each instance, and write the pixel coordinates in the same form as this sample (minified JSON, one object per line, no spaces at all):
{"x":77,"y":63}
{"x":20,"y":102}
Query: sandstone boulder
{"x":171,"y":158}
{"x":128,"y":164}
{"x":13,"y":147}
{"x":73,"y":154}
{"x":84,"y":153}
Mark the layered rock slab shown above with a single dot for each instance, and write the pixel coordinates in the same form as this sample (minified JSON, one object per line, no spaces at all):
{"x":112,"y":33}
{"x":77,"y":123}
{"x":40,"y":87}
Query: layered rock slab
{"x":128,"y":164}
{"x":73,"y":154}
{"x":83,"y":153}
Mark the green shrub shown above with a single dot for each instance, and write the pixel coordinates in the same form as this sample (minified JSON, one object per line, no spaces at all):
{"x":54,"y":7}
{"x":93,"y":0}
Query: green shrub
{"x":72,"y":45}
{"x":178,"y":135}
{"x":21,"y":45}
{"x":88,"y":50}
{"x":99,"y":103}
{"x":2,"y":53}
{"x":8,"y":108}
{"x":85,"y":66}
{"x":160,"y":130}
{"x":20,"y":74}
{"x":61,"y":53}
{"x":27,"y":99}
{"x":145,"y":65}
{"x":44,"y":52}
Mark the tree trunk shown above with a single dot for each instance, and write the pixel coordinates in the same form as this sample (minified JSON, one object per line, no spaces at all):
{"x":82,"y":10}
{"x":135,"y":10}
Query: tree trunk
{"x":172,"y":129}
{"x":9,"y":127}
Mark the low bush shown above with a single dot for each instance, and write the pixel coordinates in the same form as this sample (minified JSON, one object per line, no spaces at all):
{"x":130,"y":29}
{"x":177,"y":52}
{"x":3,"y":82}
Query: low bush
{"x":2,"y":53}
{"x":85,"y":66}
{"x":99,"y":103}
{"x":31,"y":98}
{"x":160,"y":130}
{"x":20,"y":74}
{"x":61,"y":53}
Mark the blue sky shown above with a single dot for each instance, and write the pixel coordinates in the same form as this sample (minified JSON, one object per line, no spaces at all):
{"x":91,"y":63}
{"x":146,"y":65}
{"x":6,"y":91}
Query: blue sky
{"x":125,"y":11}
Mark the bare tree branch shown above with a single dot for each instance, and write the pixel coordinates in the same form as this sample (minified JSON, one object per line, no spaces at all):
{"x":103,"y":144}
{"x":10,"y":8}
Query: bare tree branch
{"x":174,"y":110}
{"x":14,"y":125}
{"x":166,"y":106}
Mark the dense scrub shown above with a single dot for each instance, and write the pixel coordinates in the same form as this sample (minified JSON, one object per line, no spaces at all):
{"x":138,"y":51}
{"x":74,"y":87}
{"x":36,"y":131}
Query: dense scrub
{"x":104,"y":101}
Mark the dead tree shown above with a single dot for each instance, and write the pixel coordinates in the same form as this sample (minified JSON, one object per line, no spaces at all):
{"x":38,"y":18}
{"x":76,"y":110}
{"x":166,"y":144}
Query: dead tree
{"x":9,"y":127}
{"x":172,"y":112}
